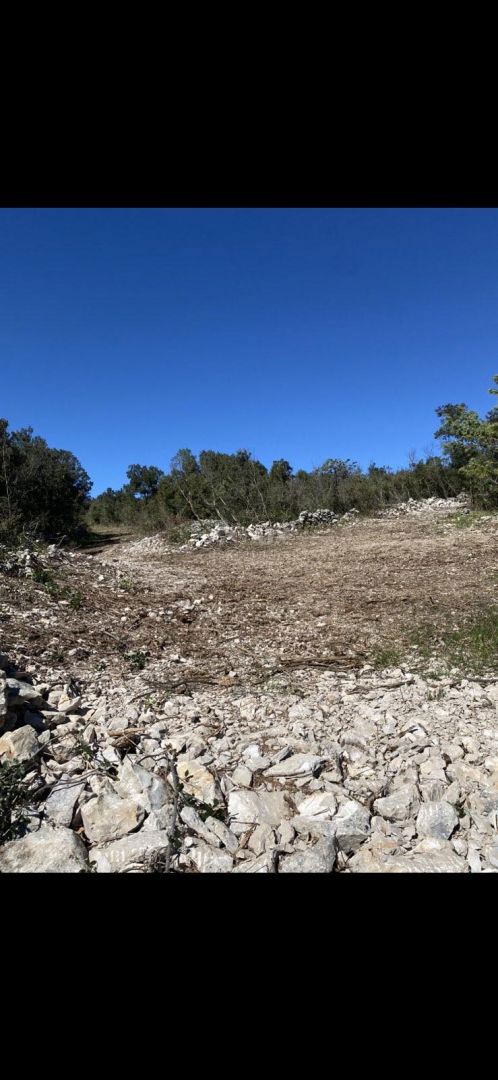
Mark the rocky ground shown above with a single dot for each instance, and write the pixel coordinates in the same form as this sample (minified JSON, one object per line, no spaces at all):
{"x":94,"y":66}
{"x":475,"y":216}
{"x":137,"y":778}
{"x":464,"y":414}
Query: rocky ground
{"x":220,"y":709}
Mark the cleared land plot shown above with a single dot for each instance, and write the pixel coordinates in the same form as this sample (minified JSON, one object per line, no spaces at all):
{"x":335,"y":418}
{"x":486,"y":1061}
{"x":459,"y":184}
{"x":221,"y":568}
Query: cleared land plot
{"x":332,"y":599}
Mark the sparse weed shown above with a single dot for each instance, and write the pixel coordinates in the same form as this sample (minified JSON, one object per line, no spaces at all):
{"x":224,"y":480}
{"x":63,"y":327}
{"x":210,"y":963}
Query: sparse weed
{"x":465,"y":521}
{"x":470,"y":648}
{"x":425,"y":640}
{"x":137,"y":660}
{"x":92,"y":756}
{"x":16,"y":799}
{"x":56,"y":656}
{"x":475,"y":645}
{"x":278,"y":684}
{"x":126,"y":584}
{"x":75,"y":600}
{"x":386,"y":656}
{"x":204,"y":810}
{"x":46,"y":578}
{"x":43,"y":576}
{"x":435,"y":695}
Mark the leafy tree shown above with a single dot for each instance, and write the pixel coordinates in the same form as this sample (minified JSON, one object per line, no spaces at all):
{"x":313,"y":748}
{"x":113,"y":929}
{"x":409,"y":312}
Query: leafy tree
{"x":144,"y":480}
{"x":184,"y":464}
{"x":470,"y":445}
{"x":281,"y":471}
{"x":40,"y":487}
{"x":185,"y":477}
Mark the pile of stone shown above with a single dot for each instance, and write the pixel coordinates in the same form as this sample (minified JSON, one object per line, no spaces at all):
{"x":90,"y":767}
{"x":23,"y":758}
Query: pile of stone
{"x":320,"y":517}
{"x":20,"y":562}
{"x":227,"y":534}
{"x":205,"y":534}
{"x":459,"y":504}
{"x":23,"y":562}
{"x":148,"y":545}
{"x":363,"y":772}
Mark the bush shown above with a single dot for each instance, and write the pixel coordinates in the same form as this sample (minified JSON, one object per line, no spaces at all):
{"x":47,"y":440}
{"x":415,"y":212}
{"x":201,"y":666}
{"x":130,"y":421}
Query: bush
{"x":16,"y":799}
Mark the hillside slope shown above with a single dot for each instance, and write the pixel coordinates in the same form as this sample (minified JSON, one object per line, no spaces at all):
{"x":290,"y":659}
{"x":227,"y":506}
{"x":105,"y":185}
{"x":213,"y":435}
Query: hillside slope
{"x":262,"y":704}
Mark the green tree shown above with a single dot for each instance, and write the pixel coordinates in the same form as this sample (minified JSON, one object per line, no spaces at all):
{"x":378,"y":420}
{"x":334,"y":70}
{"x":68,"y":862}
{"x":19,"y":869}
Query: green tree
{"x":144,"y":480}
{"x":281,"y":471}
{"x":42,"y":488}
{"x":470,"y":445}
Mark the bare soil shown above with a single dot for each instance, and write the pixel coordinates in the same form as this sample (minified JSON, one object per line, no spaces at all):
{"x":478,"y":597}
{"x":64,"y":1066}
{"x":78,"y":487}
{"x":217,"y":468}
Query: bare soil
{"x":310,"y":600}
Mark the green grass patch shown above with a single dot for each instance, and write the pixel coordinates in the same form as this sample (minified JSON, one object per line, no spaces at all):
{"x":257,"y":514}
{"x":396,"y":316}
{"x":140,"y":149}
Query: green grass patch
{"x":465,"y":521}
{"x":126,"y":584}
{"x":386,"y":656}
{"x":75,"y":599}
{"x":471,"y":648}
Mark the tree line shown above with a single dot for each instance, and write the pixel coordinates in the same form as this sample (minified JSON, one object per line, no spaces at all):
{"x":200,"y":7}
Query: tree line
{"x":47,"y":490}
{"x":238,"y":489}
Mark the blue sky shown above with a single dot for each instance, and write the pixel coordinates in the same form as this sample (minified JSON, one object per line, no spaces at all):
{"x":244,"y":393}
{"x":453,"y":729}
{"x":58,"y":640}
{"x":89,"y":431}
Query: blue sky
{"x":304,"y":334}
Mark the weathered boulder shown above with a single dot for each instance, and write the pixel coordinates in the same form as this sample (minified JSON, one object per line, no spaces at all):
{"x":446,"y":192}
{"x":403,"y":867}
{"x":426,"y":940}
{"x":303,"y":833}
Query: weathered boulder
{"x":69,"y":703}
{"x":465,"y":773}
{"x":48,"y":851}
{"x":322,"y":804}
{"x":59,"y":807}
{"x":261,"y":865}
{"x":296,"y":765}
{"x":199,"y":782}
{"x":438,"y":819}
{"x":22,"y":693}
{"x":3,"y":698}
{"x":351,"y":825}
{"x":317,"y":859}
{"x":257,"y":807}
{"x":135,"y":849}
{"x":492,"y":854}
{"x":242,"y":776}
{"x":134,"y":780}
{"x":107,"y":817}
{"x":210,"y":860}
{"x":402,"y":803}
{"x":191,"y":818}
{"x":429,"y":857}
{"x":224,"y":834}
{"x":19,"y":745}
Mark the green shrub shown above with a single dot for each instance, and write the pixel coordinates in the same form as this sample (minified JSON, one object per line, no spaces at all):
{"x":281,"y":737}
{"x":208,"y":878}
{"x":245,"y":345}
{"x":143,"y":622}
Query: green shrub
{"x":16,"y":799}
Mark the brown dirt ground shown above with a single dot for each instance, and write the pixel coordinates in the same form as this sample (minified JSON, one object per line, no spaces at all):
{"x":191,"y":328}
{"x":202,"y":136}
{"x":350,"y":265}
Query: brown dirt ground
{"x":324,"y":600}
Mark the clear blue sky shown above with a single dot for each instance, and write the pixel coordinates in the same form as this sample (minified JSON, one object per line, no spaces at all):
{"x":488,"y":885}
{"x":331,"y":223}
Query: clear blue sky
{"x":304,"y":334}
